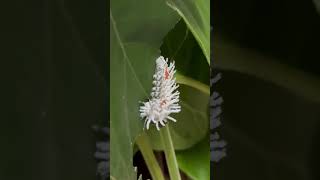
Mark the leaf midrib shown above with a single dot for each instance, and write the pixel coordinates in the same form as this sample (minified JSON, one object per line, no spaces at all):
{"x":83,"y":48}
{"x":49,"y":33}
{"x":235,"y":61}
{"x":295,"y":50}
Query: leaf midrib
{"x":125,"y":71}
{"x":121,"y":43}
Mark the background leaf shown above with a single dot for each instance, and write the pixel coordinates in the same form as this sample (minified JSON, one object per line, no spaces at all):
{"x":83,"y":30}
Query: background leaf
{"x":243,"y":60}
{"x":136,"y":33}
{"x":270,"y":132}
{"x":317,"y":5}
{"x":52,"y":90}
{"x":270,"y":87}
{"x":195,"y":161}
{"x":196,"y":15}
{"x":180,"y":45}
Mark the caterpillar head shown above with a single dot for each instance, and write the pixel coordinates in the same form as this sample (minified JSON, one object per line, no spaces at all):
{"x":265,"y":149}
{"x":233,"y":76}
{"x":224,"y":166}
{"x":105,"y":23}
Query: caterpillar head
{"x":161,"y":63}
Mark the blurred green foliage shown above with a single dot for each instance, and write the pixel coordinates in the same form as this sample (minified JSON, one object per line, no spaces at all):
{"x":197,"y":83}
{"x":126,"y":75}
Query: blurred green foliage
{"x":268,"y":53}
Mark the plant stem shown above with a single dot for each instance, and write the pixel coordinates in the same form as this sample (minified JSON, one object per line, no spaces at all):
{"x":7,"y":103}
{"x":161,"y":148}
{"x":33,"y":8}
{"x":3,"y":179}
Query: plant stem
{"x":181,"y":79}
{"x":169,"y":153}
{"x":148,"y":156}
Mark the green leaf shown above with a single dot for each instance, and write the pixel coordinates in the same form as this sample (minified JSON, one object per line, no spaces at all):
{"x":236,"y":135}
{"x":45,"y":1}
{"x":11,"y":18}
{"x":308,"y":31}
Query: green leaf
{"x":195,"y":162}
{"x":196,"y":14}
{"x":192,"y":122}
{"x":136,"y":33}
{"x":181,"y":46}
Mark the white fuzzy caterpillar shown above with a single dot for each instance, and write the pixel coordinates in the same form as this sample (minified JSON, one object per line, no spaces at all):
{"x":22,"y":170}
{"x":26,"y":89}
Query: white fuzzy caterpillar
{"x":164,"y":96}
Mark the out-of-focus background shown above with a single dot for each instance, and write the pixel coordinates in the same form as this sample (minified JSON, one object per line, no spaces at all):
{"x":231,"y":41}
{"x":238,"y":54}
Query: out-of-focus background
{"x":53,"y":87}
{"x":268,"y":53}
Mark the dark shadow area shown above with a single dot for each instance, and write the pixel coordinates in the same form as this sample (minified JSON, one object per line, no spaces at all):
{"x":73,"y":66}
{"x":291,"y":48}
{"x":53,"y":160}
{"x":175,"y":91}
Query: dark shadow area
{"x":270,"y":123}
{"x":54,"y":66}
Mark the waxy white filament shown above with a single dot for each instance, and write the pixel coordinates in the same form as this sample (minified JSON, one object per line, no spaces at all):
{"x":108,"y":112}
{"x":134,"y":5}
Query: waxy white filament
{"x":164,"y":96}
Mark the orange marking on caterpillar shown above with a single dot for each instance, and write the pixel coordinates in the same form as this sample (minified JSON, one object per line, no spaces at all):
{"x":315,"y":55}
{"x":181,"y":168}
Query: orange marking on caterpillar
{"x":163,"y":102}
{"x":166,"y":73}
